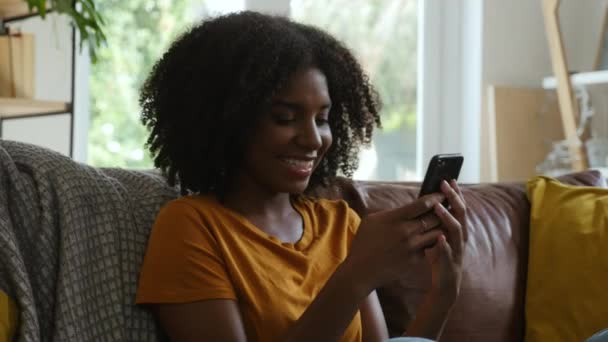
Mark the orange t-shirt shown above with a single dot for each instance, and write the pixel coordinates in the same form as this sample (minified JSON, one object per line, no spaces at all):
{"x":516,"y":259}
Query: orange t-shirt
{"x":199,"y":250}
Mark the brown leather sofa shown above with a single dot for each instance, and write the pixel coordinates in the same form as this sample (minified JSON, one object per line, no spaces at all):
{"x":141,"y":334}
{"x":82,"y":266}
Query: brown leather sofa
{"x":122,"y":205}
{"x":490,"y":307}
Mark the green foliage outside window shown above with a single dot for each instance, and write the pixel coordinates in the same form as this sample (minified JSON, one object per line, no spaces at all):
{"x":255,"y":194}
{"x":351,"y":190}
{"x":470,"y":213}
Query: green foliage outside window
{"x":382,"y":33}
{"x":137,"y":32}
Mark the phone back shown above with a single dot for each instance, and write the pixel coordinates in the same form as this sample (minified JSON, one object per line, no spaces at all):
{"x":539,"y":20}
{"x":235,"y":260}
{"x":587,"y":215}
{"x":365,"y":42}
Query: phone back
{"x":441,"y":167}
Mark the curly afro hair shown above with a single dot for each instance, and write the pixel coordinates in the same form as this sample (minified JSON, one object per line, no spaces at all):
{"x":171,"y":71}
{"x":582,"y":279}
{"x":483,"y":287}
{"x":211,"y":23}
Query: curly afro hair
{"x":208,"y":90}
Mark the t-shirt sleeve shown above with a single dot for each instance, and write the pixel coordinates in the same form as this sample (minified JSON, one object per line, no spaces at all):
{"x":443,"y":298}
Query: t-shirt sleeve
{"x":353,"y":221}
{"x":182,"y":262}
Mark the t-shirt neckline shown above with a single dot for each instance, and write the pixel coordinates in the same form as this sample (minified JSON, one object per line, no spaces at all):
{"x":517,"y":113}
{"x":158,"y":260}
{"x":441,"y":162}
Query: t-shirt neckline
{"x":298,"y":206}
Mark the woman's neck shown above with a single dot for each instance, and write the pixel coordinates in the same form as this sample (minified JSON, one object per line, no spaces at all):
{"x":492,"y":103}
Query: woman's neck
{"x":274,"y":215}
{"x":256,"y":205}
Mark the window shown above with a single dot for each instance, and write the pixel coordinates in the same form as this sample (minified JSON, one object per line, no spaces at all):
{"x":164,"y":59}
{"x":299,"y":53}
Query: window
{"x":383,"y":36}
{"x":381,"y":33}
{"x":147,"y":27}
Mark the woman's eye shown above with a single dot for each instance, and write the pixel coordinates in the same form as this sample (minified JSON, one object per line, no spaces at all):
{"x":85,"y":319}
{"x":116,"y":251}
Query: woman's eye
{"x":283,"y":119}
{"x":322,"y":120}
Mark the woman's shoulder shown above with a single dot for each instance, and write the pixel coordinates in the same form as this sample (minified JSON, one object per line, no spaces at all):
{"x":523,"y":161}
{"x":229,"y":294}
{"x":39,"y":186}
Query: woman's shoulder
{"x":323,"y":203}
{"x":192,"y":214}
{"x":331,"y":207}
{"x":331,"y":212}
{"x":190,"y":203}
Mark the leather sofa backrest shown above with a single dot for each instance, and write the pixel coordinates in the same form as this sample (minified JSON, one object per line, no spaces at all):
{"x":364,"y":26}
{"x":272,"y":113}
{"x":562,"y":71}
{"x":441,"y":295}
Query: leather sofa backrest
{"x":491,"y":302}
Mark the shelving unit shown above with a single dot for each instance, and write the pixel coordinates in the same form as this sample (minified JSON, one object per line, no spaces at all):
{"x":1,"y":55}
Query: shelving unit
{"x":582,"y":78}
{"x":568,"y":109}
{"x":18,"y":15}
{"x":20,"y":108}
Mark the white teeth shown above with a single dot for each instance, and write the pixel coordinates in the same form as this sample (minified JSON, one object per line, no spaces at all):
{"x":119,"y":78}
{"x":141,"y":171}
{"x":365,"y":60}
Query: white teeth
{"x":301,"y":164}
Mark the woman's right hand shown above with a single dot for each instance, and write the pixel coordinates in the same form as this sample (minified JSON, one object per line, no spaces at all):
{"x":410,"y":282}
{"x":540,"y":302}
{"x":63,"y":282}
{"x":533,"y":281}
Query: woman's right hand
{"x":389,"y":242}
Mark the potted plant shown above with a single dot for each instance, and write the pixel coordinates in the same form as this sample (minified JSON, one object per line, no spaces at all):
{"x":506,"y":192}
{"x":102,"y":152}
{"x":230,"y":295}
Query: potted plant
{"x":87,"y":20}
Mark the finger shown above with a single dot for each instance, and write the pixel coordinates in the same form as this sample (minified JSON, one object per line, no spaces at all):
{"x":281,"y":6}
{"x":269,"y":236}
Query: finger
{"x":426,"y":222}
{"x":461,"y":216}
{"x":453,"y":228}
{"x":456,"y":199}
{"x":456,"y":202}
{"x":411,"y":230}
{"x":444,"y":248}
{"x":454,"y":185}
{"x":418,"y":225}
{"x":418,"y":242}
{"x":418,"y":207}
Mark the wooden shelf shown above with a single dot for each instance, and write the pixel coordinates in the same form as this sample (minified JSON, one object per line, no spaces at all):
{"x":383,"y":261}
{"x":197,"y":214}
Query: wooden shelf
{"x":15,"y":108}
{"x":17,"y":10}
{"x":581,"y":78}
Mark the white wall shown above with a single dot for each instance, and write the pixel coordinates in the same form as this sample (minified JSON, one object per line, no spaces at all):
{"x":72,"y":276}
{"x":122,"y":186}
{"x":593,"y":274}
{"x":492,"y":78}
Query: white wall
{"x":53,"y":74}
{"x":52,"y":132}
{"x":581,"y":23}
{"x":515,"y":50}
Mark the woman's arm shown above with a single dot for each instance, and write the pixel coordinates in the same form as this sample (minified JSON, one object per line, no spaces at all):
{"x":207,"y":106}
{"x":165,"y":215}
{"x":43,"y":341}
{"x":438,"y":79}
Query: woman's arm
{"x":326,"y":318}
{"x":333,"y":309}
{"x":372,"y":320}
{"x":386,"y":245}
{"x":445,"y":259}
{"x":183,"y":321}
{"x":431,"y":316}
{"x":208,"y":320}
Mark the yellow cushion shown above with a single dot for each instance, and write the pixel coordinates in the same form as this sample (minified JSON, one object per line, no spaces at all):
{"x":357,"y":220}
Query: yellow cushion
{"x":8,"y":317}
{"x":567,"y":291}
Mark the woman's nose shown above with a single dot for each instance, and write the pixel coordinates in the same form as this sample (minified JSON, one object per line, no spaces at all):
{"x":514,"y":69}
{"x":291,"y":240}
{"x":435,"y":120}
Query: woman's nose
{"x":310,"y":136}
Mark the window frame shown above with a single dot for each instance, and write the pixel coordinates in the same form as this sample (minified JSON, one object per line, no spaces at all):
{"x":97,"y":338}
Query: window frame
{"x":449,"y":98}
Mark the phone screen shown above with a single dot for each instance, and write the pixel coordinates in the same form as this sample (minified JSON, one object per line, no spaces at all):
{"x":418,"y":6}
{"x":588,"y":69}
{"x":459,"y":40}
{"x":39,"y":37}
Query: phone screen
{"x":441,"y":167}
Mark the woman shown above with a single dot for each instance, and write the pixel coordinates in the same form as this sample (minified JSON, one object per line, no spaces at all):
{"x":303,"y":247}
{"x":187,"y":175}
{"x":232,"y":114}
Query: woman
{"x":247,"y":113}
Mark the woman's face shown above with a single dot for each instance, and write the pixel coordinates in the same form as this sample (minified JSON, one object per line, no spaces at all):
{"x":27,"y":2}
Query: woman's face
{"x":292,"y":137}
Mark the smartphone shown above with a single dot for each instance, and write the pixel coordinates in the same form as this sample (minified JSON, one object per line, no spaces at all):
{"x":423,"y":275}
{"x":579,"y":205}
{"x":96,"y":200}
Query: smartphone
{"x":441,"y":167}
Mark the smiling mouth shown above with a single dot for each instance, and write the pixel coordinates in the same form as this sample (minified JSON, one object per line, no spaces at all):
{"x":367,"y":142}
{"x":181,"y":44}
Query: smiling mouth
{"x":299,"y":164}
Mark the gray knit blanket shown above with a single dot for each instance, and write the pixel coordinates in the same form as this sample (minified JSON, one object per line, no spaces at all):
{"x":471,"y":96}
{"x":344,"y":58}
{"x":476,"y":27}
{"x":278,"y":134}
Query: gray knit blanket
{"x":72,"y":239}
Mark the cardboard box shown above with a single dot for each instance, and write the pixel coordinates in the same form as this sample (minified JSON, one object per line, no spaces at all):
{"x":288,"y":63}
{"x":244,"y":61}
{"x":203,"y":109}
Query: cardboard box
{"x":522,"y":123}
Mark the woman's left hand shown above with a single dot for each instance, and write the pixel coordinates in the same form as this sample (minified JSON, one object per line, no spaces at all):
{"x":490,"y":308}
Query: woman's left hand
{"x":445,"y":257}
